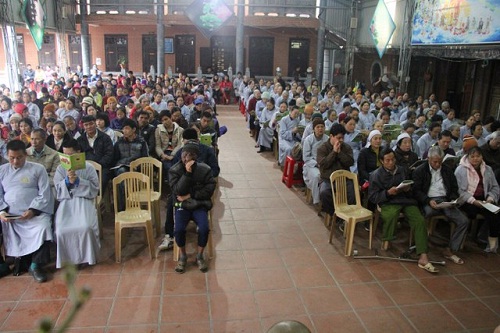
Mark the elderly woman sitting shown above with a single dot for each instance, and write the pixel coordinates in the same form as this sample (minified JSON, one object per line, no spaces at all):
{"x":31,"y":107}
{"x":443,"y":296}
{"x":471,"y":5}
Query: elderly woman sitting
{"x":477,"y":186}
{"x":309,"y":153}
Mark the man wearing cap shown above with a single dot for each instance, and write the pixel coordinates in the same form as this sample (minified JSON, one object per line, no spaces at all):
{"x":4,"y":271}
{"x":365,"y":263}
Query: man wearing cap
{"x":310,"y":146}
{"x":196,"y":113}
{"x":192,"y":187}
{"x":436,"y":183}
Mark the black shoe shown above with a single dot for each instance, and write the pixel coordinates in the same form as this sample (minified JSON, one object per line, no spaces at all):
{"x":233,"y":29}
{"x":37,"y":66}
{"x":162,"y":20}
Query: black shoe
{"x":20,"y":266}
{"x":262,"y":149}
{"x":38,"y":274}
{"x":4,"y":270}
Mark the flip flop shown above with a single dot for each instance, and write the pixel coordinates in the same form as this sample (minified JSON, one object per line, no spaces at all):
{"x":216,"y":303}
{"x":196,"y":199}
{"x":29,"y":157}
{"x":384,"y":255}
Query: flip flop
{"x":429,"y":268}
{"x":456,"y":259}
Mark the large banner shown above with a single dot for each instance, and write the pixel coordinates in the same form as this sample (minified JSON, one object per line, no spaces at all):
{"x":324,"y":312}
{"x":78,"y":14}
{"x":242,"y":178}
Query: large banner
{"x":456,"y":22}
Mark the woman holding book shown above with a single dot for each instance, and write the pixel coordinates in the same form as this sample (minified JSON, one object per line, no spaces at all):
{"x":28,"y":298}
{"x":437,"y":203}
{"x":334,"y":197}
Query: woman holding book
{"x":77,"y":238}
{"x":478,"y":187}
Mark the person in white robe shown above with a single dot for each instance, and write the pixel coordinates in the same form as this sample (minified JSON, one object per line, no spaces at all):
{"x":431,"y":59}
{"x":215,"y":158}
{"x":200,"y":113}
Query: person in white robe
{"x":288,"y":134}
{"x":310,"y":146}
{"x":76,"y":225}
{"x":266,"y":132}
{"x":26,"y":207}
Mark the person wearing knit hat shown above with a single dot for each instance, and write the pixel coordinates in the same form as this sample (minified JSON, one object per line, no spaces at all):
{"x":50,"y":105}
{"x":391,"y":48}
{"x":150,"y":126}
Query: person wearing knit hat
{"x":469,"y":141}
{"x":310,"y":146}
{"x":19,"y":108}
{"x":191,"y":147}
{"x":192,"y":186}
{"x":88,"y":100}
{"x":15,"y":117}
{"x":368,"y":160}
{"x":405,"y":157}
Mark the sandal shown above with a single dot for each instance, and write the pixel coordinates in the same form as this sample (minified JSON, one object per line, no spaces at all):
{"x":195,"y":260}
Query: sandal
{"x":456,"y":259}
{"x":385,"y":245}
{"x":429,"y":268}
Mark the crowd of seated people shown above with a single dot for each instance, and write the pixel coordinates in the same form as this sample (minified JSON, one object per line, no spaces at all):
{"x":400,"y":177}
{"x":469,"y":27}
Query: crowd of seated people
{"x":114,"y":121}
{"x":385,"y":138}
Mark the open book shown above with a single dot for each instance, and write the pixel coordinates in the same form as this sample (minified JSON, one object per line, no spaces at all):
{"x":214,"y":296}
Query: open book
{"x":447,"y":204}
{"x":358,"y":138}
{"x":72,"y":162}
{"x":391,"y":131}
{"x":8,"y":216}
{"x":405,"y":183}
{"x":491,"y":207}
{"x":417,"y":164}
{"x":451,"y":157}
{"x":206,"y":139}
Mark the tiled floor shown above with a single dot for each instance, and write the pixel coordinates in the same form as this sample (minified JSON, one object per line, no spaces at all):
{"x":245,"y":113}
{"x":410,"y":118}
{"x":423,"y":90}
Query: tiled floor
{"x":273,"y":262}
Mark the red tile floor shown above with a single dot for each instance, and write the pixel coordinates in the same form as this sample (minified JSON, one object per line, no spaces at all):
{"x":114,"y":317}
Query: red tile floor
{"x":273,"y":262}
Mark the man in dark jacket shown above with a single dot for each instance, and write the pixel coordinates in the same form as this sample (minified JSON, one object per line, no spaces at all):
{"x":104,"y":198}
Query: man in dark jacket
{"x":207,"y":156}
{"x":491,"y":153}
{"x":387,"y":190}
{"x":146,"y":131}
{"x":436,"y":183}
{"x":97,"y":147}
{"x":331,"y":156}
{"x":192,"y":186}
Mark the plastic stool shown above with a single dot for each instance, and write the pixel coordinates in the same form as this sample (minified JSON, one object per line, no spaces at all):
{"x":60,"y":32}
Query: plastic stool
{"x":287,"y":177}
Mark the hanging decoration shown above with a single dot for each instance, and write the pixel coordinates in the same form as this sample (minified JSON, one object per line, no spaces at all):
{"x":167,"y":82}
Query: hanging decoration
{"x":208,"y":15}
{"x":382,"y":27}
{"x":33,"y":13}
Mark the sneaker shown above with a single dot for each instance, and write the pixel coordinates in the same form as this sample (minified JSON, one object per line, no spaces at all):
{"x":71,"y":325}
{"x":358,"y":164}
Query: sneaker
{"x":181,"y":265}
{"x":202,"y":264}
{"x":167,"y":243}
{"x":366,"y":225}
{"x":341,"y":225}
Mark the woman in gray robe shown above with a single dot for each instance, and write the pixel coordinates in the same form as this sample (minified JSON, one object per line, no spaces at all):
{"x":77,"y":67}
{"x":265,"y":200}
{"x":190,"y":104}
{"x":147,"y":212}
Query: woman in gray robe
{"x":266,"y":132}
{"x":76,"y":225}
